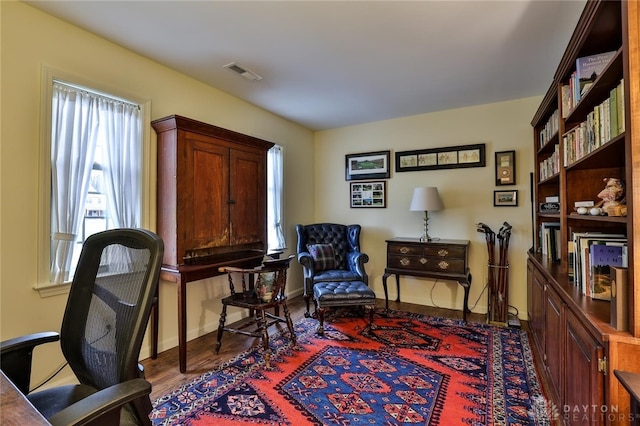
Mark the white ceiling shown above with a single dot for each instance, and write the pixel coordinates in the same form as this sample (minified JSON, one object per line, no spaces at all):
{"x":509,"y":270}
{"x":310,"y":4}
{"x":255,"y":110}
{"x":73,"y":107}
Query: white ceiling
{"x":328,"y":64}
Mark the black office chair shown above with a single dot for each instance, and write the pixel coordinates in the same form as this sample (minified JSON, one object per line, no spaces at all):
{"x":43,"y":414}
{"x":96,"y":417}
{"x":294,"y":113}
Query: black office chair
{"x":102,"y":330}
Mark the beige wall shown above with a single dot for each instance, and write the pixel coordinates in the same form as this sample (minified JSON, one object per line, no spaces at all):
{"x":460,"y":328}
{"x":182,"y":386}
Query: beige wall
{"x":31,"y":39}
{"x":467,"y":194}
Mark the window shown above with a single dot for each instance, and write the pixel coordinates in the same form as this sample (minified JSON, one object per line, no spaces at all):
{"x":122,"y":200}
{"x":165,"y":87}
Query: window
{"x":95,"y":177}
{"x":275,"y":174}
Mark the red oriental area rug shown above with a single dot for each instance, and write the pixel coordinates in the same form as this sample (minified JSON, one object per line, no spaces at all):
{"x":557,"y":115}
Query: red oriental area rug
{"x":408,"y":369}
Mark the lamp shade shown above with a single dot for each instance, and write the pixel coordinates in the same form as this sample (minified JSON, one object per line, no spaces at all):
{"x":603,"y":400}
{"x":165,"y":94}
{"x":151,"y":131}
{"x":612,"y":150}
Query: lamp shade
{"x":426,"y":199}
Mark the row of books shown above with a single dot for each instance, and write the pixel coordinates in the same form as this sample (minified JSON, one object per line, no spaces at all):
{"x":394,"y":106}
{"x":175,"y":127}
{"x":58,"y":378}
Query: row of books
{"x":591,"y":257}
{"x":550,"y":240}
{"x":588,"y":68}
{"x":605,"y":122}
{"x":550,"y":165}
{"x":551,"y":128}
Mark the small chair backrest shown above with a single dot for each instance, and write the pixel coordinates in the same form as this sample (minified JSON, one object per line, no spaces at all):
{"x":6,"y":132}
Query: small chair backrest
{"x":109,"y":305}
{"x":343,"y":238}
{"x":277,"y":268}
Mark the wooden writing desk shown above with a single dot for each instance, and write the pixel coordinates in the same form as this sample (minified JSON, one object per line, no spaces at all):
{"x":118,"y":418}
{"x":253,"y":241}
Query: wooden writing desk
{"x":182,"y":275}
{"x":441,"y":259}
{"x":15,"y":408}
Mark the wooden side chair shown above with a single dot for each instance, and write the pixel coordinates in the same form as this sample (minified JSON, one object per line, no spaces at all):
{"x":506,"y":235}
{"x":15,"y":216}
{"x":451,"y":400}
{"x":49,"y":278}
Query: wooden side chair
{"x":262,"y":289}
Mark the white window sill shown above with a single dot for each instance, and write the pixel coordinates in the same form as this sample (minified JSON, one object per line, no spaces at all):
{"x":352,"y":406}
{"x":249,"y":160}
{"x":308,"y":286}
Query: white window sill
{"x":49,"y":290}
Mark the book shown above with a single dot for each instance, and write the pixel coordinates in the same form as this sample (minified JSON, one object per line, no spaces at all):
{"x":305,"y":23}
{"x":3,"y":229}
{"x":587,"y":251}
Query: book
{"x":602,"y":257}
{"x":619,"y":298}
{"x":620,"y":100}
{"x":583,"y":204}
{"x":552,"y":199}
{"x":588,"y":68}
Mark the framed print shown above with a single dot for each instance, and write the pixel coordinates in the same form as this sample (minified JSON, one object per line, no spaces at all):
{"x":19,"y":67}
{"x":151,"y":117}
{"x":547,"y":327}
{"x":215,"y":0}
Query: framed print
{"x":506,"y":168}
{"x":368,"y":194}
{"x":505,"y":198}
{"x":451,"y":157}
{"x":368,"y":165}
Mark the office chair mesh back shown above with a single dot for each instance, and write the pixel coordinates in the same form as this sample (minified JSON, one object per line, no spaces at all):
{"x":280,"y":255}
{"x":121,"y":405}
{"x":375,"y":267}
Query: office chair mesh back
{"x":109,"y":306}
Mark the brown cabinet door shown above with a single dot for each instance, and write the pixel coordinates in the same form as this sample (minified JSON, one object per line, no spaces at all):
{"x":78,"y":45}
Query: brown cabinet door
{"x":203,"y":194}
{"x":247,"y":197}
{"x":584,"y":386}
{"x":554,"y":321}
{"x":536,"y":308}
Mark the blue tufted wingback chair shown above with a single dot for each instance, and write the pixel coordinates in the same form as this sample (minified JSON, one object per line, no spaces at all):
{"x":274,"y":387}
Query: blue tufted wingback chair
{"x":349,"y":261}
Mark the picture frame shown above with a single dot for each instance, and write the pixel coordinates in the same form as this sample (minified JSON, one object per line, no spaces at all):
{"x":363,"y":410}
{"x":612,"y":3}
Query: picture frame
{"x":451,"y":157}
{"x":367,"y":165}
{"x":368,"y":194}
{"x":505,"y":168}
{"x":505,"y":198}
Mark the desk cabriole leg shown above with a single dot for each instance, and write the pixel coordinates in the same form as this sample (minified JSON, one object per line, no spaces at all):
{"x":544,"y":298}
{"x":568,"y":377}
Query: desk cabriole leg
{"x":386,"y":293}
{"x":182,"y":323}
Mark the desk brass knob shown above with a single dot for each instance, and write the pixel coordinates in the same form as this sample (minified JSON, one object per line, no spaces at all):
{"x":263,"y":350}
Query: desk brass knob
{"x":443,"y":252}
{"x":404,"y":250}
{"x":443,"y":264}
{"x":423,"y":260}
{"x":404,"y":261}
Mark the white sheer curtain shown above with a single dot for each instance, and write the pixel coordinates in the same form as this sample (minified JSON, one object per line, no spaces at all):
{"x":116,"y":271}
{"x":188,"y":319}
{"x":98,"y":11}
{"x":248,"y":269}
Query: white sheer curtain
{"x":74,"y":135}
{"x":120,"y":133}
{"x":275,"y":176}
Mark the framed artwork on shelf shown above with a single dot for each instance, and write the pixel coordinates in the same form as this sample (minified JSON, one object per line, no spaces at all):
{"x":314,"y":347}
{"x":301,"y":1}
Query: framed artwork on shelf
{"x":368,"y":194}
{"x":452,"y":157}
{"x":505,"y":198}
{"x":368,"y":165}
{"x":506,"y":168}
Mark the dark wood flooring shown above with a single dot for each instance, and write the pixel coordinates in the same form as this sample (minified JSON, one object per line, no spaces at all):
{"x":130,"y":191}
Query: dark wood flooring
{"x":165,"y":376}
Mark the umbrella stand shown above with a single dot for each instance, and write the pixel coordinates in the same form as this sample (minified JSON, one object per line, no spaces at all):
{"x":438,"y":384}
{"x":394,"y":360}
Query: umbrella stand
{"x":498,"y":273}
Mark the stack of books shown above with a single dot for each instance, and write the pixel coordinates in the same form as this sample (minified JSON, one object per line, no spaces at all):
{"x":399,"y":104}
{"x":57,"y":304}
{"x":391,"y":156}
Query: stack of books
{"x":591,"y":257}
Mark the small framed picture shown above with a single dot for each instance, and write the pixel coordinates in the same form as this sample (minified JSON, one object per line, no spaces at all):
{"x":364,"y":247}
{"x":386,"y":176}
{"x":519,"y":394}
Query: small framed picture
{"x":368,"y":194}
{"x":368,"y":165}
{"x":505,"y":198}
{"x":506,"y":168}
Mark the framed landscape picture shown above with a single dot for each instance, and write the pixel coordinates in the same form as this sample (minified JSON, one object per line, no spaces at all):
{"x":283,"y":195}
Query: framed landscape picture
{"x":451,"y":157}
{"x":368,"y":165}
{"x":505,"y":198}
{"x":368,"y":194}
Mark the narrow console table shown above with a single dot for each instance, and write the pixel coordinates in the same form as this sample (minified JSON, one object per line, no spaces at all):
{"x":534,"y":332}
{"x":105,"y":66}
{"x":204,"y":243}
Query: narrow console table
{"x":441,"y":259}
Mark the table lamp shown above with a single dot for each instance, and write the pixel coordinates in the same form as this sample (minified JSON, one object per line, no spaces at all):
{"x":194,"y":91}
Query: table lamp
{"x":426,"y":199}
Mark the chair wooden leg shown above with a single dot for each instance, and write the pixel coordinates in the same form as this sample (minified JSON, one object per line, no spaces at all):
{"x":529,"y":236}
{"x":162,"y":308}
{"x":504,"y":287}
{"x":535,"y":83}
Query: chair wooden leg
{"x":262,"y":326}
{"x":287,"y":315}
{"x":223,"y":318}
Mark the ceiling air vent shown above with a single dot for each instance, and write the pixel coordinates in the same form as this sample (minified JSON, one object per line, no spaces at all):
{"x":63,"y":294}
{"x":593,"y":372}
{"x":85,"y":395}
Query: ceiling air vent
{"x":249,"y":75}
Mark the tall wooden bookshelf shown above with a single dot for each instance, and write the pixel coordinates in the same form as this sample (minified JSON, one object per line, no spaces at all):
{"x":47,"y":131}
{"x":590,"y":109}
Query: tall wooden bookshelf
{"x":577,"y":346}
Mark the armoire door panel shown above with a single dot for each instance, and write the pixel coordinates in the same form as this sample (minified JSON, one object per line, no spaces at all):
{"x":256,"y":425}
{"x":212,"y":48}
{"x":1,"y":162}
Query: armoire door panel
{"x":206,"y":168}
{"x":247,"y":197}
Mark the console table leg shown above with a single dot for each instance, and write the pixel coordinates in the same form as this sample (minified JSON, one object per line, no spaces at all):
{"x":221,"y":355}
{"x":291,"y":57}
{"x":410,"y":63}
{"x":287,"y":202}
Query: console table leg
{"x":386,"y":293}
{"x":398,"y":287}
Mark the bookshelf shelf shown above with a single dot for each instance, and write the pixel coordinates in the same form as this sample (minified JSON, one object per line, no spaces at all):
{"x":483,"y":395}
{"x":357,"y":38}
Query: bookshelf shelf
{"x":595,"y":140}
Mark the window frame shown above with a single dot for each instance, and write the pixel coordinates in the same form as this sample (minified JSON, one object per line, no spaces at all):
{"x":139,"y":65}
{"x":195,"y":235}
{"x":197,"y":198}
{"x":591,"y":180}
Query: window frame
{"x":48,"y":76}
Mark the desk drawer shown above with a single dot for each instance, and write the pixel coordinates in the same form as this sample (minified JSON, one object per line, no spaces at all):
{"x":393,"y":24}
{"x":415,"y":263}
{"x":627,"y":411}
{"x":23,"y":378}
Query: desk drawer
{"x":427,"y":263}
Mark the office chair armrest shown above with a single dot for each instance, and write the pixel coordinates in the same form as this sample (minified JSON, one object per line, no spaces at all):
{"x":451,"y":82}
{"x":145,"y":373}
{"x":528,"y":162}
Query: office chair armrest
{"x":106,"y":402}
{"x":16,"y":355}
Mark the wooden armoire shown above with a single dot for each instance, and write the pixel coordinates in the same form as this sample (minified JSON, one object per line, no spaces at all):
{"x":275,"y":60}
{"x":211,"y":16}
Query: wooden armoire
{"x":212,"y":187}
